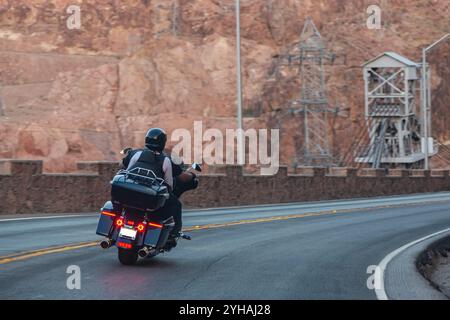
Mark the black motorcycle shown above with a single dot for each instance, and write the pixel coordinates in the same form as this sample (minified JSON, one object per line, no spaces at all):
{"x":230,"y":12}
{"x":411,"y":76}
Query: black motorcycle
{"x":130,"y":220}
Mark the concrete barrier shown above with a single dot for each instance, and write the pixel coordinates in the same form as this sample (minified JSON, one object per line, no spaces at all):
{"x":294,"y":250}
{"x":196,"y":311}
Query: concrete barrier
{"x":24,"y":188}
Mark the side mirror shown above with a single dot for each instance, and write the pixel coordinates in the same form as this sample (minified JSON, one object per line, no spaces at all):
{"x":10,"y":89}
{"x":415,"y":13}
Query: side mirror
{"x":196,"y":167}
{"x":125,"y":151}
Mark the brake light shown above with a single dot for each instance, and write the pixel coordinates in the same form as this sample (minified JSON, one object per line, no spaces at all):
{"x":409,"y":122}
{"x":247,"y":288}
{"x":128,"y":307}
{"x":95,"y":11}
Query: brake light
{"x":156,"y":225}
{"x":110,"y":214}
{"x":124,"y":245}
{"x":119,"y":222}
{"x":130,"y":222}
{"x":140,"y":227}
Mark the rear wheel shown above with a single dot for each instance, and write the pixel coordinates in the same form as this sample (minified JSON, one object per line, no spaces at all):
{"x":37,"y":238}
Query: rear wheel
{"x":127,"y":257}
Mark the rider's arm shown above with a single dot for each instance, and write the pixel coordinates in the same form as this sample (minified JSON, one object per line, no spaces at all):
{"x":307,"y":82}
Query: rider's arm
{"x":167,"y":169}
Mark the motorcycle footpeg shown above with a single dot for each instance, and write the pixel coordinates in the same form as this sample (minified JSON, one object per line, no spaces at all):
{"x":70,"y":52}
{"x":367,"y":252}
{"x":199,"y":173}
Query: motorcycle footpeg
{"x":185,"y":236}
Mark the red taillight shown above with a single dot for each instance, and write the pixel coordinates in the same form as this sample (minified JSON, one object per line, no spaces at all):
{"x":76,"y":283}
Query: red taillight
{"x":119,"y":222}
{"x":140,"y":227}
{"x":156,"y":225}
{"x":130,"y":222}
{"x":106,"y":213}
{"x":124,"y":245}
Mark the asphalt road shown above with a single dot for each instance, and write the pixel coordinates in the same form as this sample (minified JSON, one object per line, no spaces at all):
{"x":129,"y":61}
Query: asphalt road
{"x":308,"y":252}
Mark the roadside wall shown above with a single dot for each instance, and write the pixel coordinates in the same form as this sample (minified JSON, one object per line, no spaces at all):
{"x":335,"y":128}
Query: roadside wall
{"x":24,"y":188}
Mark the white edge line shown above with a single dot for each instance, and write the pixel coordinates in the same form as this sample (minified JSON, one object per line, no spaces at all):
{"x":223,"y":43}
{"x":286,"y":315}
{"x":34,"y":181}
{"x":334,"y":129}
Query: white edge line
{"x":381,"y":293}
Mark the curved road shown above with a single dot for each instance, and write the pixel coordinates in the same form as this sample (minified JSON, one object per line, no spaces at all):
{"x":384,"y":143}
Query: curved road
{"x":315,"y":250}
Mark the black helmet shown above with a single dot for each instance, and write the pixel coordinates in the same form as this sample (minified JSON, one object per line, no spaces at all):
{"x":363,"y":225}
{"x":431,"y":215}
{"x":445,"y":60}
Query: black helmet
{"x":155,"y":139}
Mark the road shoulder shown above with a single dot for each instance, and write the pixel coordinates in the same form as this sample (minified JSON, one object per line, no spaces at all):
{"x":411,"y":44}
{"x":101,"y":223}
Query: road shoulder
{"x":402,"y":279}
{"x":434,"y":265}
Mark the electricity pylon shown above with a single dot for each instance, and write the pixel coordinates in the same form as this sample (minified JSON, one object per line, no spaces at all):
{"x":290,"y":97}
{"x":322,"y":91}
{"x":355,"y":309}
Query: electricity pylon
{"x":313,"y":102}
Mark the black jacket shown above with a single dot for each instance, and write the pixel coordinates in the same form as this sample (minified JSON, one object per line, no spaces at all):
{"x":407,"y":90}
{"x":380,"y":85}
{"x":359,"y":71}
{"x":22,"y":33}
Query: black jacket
{"x":148,"y":159}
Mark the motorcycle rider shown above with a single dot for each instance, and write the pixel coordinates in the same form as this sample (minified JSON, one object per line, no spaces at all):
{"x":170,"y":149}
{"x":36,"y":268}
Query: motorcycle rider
{"x":151,"y":157}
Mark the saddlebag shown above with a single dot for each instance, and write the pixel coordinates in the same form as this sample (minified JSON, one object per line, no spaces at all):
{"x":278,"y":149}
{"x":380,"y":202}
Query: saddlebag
{"x":130,"y":191}
{"x":157,"y":237}
{"x":105,"y":223}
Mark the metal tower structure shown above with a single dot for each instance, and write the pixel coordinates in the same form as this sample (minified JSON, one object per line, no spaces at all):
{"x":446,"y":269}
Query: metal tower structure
{"x":313,"y":103}
{"x":396,"y":131}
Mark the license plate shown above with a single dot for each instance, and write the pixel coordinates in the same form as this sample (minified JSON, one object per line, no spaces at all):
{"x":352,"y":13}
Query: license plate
{"x":128,"y":233}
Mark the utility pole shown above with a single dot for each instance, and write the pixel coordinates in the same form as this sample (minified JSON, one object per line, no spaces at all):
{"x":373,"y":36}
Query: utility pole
{"x":240,"y":137}
{"x":424,"y":95}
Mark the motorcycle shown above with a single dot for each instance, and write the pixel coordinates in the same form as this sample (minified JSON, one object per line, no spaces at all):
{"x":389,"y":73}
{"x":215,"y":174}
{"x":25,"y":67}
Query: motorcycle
{"x":130,"y":219}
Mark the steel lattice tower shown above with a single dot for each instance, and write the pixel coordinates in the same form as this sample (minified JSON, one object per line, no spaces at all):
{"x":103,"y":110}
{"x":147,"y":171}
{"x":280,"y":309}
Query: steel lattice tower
{"x":313,"y":101}
{"x":310,"y":57}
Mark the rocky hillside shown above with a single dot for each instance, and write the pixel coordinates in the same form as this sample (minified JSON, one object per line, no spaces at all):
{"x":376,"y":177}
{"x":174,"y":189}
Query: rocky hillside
{"x":69,"y":95}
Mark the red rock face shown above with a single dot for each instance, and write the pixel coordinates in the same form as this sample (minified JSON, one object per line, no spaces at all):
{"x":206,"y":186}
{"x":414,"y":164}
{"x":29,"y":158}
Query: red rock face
{"x":69,"y":95}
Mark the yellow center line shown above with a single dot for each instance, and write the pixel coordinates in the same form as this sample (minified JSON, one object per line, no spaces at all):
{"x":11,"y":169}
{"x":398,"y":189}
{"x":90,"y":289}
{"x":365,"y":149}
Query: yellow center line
{"x":36,"y":253}
{"x":44,"y":251}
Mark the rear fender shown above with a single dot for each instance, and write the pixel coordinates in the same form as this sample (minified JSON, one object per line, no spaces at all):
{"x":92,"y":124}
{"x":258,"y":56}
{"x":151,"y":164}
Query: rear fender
{"x":120,"y":241}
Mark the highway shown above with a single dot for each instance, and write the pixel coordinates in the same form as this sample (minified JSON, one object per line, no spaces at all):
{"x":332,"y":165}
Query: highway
{"x":318,"y":250}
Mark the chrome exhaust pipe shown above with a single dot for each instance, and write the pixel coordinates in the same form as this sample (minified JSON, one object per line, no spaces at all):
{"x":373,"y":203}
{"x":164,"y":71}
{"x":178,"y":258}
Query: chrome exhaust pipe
{"x":105,"y":244}
{"x":144,"y":252}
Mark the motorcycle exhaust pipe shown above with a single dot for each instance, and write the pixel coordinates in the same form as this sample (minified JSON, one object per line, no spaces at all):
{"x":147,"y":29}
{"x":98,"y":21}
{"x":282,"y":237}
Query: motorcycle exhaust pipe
{"x":144,"y":252}
{"x":105,"y":244}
